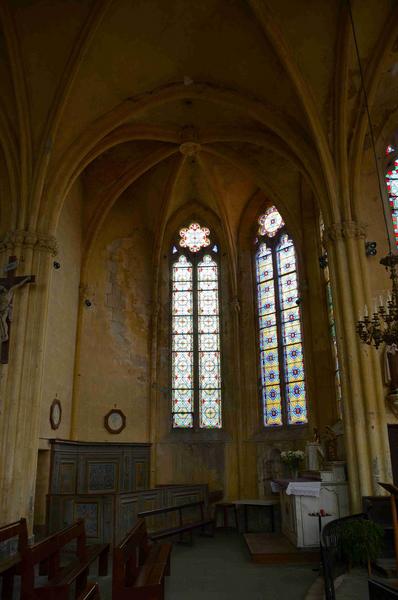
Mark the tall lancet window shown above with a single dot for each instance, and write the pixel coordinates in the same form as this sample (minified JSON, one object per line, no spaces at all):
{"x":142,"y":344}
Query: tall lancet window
{"x":392,"y":187}
{"x":195,"y":330}
{"x":282,"y":377}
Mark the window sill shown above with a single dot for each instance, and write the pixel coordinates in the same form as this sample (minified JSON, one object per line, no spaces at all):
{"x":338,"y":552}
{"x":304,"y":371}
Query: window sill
{"x":292,"y":432}
{"x":198,"y":436}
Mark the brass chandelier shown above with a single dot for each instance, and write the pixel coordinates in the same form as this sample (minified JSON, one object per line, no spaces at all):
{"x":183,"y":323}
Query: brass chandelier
{"x":382,"y":326}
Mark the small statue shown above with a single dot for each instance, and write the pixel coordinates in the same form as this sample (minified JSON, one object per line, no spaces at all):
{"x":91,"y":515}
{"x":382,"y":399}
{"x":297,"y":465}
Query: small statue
{"x":317,"y":438}
{"x":331,"y":443}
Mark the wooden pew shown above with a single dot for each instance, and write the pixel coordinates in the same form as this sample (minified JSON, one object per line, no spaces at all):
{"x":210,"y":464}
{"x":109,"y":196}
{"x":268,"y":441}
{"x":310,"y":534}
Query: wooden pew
{"x":91,"y":592}
{"x":9,"y":565}
{"x":182,"y":526}
{"x":60,"y":578}
{"x":84,"y":553}
{"x":382,"y":590}
{"x":139,"y":568}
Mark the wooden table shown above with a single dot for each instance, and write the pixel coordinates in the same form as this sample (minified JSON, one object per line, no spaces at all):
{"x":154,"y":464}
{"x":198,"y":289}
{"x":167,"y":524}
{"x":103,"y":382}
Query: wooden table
{"x":257,"y":503}
{"x":223,"y":508}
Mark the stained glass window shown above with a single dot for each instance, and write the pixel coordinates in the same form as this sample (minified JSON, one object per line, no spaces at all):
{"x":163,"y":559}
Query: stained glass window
{"x":196,"y":362}
{"x":282,"y":377}
{"x":182,"y":346}
{"x":392,"y":188}
{"x":332,"y":328}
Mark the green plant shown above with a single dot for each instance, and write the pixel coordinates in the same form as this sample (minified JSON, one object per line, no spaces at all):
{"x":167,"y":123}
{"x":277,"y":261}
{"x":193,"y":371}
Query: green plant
{"x":292,"y":458}
{"x":360,"y":541}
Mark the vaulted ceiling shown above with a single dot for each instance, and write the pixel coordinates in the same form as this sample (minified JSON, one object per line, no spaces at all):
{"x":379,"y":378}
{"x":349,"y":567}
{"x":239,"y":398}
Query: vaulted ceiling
{"x":216,"y":99}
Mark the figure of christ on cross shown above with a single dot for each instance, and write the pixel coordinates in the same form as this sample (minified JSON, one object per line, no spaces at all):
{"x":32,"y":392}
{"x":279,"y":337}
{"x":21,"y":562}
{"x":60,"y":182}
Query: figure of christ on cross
{"x":8,"y":285}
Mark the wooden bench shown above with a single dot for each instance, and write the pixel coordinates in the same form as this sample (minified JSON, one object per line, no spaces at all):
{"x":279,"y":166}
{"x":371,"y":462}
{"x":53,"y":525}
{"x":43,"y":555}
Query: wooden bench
{"x":60,"y":578}
{"x":139,"y":568}
{"x":181,"y":527}
{"x":382,"y":590}
{"x":10,"y":564}
{"x":91,"y":592}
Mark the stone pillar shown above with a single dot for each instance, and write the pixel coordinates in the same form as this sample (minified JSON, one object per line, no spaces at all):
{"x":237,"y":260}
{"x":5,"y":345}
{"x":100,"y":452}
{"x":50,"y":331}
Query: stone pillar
{"x":236,"y":480}
{"x":368,"y":457}
{"x":21,"y":379}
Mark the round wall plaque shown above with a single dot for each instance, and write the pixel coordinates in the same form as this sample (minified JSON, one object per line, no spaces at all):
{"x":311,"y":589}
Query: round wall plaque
{"x":55,"y":414}
{"x":115,"y":421}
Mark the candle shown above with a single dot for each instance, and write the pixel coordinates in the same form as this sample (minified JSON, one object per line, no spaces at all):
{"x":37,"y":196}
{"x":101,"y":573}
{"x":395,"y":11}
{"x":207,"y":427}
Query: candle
{"x":381,"y":300}
{"x":365,"y":311}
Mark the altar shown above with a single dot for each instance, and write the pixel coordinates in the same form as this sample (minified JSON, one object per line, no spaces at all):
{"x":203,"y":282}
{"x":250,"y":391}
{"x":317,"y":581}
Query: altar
{"x":325,"y":491}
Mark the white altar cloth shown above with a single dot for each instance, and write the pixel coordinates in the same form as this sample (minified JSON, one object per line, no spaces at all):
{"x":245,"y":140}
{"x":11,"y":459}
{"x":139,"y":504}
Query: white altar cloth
{"x":301,"y":498}
{"x":299,"y":488}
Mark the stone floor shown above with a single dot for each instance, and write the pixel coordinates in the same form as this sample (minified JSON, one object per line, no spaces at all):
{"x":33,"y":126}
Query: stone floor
{"x":351,"y":586}
{"x":219,"y":568}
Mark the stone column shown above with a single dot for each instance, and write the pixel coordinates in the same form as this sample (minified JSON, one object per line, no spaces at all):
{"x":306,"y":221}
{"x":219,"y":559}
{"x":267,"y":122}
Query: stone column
{"x":368,"y":457}
{"x":236,"y":480}
{"x":21,"y":379}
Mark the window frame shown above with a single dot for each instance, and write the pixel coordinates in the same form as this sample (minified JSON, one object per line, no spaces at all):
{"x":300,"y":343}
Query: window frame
{"x":194,"y":258}
{"x":272,"y":243}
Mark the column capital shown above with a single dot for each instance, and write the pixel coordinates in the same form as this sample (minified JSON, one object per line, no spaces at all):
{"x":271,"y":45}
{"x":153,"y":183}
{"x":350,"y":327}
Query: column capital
{"x":21,"y":239}
{"x":344,"y":230}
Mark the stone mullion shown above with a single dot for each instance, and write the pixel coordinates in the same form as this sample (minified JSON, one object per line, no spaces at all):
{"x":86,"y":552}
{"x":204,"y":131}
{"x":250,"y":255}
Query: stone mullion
{"x":22,"y":382}
{"x":240,"y":414}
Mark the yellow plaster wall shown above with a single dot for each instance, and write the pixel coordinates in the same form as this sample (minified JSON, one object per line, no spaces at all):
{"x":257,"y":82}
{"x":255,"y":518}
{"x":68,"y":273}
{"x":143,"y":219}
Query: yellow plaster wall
{"x":113,"y":365}
{"x":62,"y":318}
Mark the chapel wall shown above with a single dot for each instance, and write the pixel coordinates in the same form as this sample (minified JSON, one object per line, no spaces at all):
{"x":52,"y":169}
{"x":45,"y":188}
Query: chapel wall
{"x":112,"y":369}
{"x":62,"y":319}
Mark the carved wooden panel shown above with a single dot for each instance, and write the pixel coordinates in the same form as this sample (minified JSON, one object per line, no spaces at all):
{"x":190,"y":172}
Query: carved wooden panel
{"x":141,"y":474}
{"x":126,"y":514}
{"x":89,"y":512}
{"x":102,"y":477}
{"x":97,"y":511}
{"x":63,"y":475}
{"x":107,"y":485}
{"x":67,"y":477}
{"x":83,"y":467}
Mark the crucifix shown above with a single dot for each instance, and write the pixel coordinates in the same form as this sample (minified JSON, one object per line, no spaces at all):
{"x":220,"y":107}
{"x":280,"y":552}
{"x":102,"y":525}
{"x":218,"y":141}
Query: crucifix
{"x":8,"y":285}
